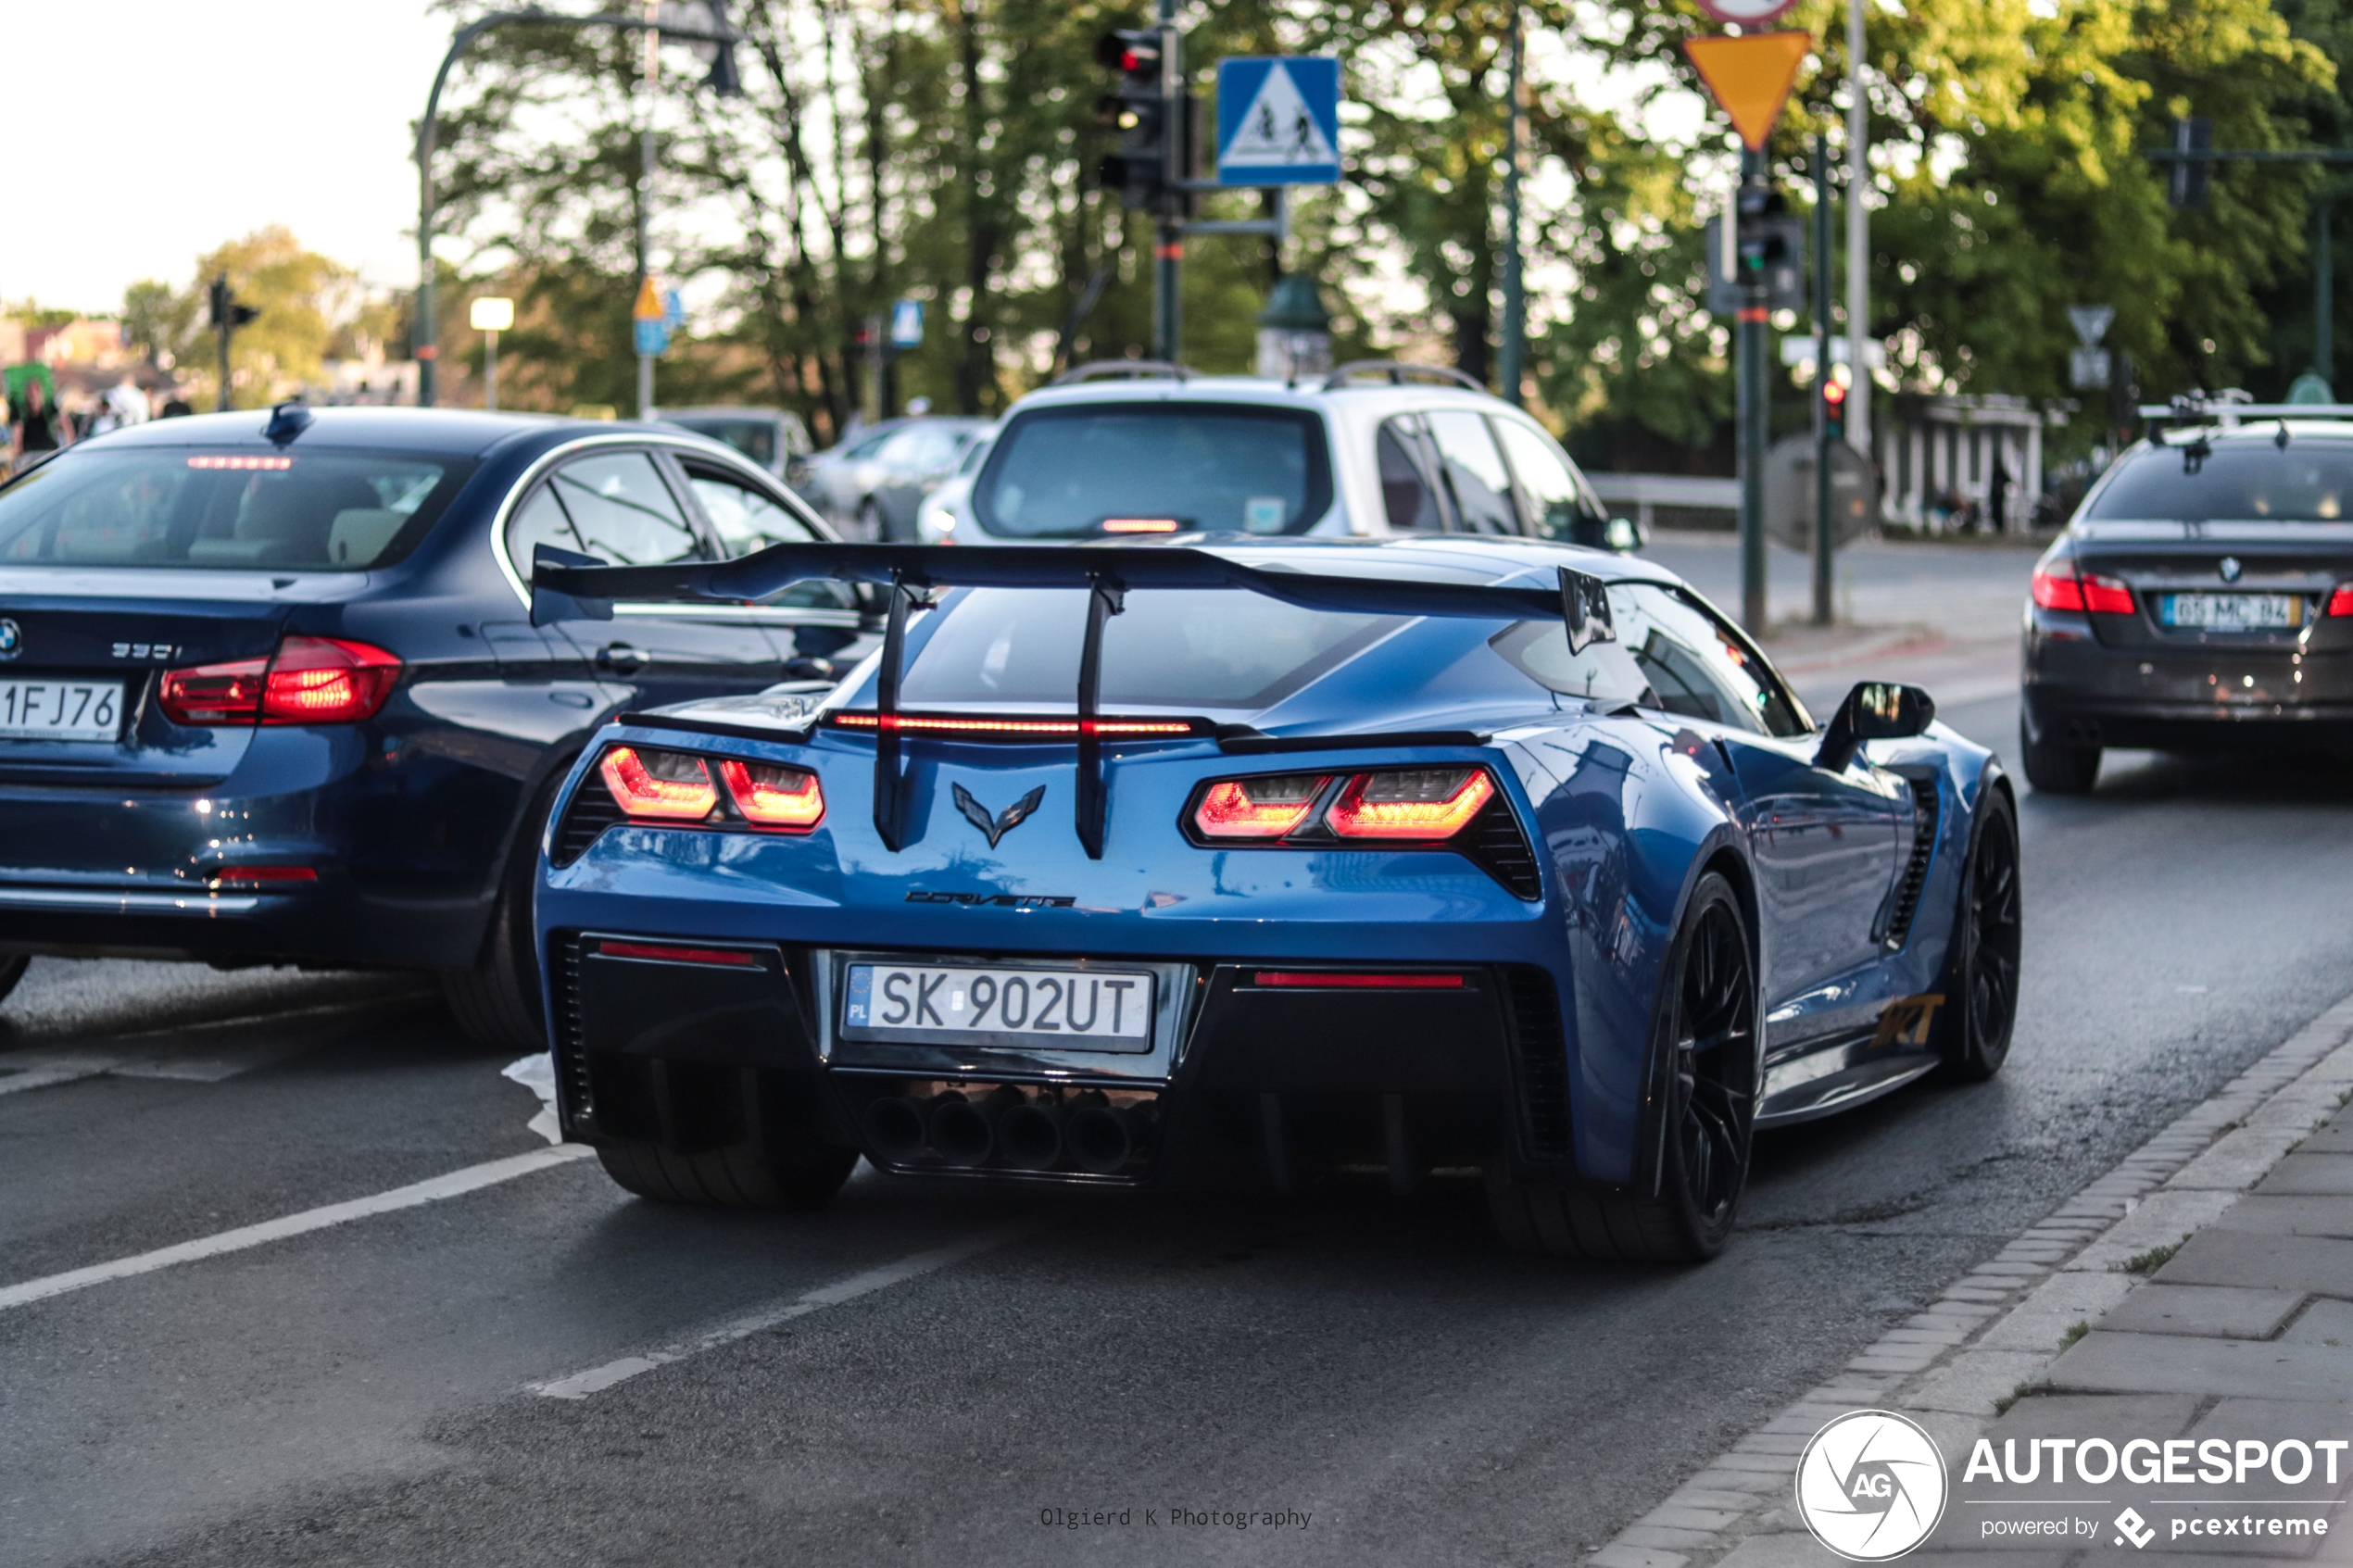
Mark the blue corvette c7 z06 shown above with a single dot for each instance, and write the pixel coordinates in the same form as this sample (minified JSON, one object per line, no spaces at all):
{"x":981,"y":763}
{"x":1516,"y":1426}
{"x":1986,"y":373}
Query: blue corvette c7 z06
{"x":1241,"y":863}
{"x":269,"y":690}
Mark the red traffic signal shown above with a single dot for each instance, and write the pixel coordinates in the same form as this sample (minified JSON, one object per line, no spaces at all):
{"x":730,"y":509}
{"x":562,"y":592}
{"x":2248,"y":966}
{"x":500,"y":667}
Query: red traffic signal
{"x":1134,"y":51}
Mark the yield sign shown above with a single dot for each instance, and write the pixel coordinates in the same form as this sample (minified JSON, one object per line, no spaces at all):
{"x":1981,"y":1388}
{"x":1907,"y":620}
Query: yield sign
{"x":1751,"y":77}
{"x":2091,"y":321}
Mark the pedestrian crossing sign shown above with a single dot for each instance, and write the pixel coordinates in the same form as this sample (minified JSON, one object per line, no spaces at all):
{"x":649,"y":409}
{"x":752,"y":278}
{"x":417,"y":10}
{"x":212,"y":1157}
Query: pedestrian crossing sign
{"x":1279,"y":120}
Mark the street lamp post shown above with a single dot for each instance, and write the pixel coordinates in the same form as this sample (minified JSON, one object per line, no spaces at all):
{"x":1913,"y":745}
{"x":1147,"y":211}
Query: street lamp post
{"x":490,"y":316}
{"x":425,"y":333}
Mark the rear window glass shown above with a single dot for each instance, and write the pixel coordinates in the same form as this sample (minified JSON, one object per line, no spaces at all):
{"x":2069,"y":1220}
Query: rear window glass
{"x":1064,"y":473}
{"x":2246,"y":481}
{"x":1671,"y":656}
{"x":1169,"y":649}
{"x":755,"y":439}
{"x":303,"y":511}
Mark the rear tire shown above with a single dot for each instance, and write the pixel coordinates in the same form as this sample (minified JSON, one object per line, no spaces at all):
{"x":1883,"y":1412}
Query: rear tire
{"x":2052,"y":767}
{"x":1703,"y":1079}
{"x":11,"y":971}
{"x":1973,"y":1030}
{"x":744,"y":1175}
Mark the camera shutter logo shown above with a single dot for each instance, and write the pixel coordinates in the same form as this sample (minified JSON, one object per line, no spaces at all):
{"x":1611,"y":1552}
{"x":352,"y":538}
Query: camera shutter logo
{"x":1871,"y":1485}
{"x":11,"y":638}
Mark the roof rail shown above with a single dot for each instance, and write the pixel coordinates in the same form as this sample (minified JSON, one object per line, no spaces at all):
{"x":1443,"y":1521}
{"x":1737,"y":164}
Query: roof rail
{"x":1398,"y":373}
{"x":1124,"y":369}
{"x":2191,"y":410}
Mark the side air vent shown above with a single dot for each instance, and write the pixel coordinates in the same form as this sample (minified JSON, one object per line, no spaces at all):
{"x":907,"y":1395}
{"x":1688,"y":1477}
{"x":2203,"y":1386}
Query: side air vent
{"x":1907,"y":891}
{"x":592,"y":811}
{"x":572,"y":1056}
{"x":1497,"y":847}
{"x":1539,"y":1060}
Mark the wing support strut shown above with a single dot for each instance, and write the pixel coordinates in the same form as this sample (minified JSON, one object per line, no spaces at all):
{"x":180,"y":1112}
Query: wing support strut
{"x":890,"y":783}
{"x":1106,"y":597}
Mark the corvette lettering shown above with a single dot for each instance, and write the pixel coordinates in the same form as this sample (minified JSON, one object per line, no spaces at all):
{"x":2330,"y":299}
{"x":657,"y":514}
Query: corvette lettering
{"x":995,"y":901}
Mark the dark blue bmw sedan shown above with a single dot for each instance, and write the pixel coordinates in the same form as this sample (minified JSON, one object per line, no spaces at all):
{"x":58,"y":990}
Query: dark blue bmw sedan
{"x":270,"y":691}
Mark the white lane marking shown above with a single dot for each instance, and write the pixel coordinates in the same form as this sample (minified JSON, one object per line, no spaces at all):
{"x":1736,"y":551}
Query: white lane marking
{"x":580,"y":1385}
{"x":42,"y":1077}
{"x":473,"y":1178}
{"x":192,"y":1053}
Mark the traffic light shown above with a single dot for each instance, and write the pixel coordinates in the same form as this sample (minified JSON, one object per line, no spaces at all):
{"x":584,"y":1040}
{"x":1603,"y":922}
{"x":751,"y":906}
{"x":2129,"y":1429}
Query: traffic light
{"x":1764,"y":233}
{"x":723,"y":79}
{"x":227,"y":314}
{"x":2189,"y":180}
{"x":1139,"y":112}
{"x":1836,"y":380}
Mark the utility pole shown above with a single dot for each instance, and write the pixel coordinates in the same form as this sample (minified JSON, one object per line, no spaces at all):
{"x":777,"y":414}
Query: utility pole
{"x":1168,"y":246}
{"x":1858,"y":237}
{"x":649,"y":71}
{"x":1823,"y":580}
{"x":1751,"y":212}
{"x":1511,"y":362}
{"x":2323,"y":293}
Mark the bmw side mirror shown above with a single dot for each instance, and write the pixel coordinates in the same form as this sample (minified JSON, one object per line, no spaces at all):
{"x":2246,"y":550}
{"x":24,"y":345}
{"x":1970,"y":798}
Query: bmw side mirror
{"x":1873,"y":711}
{"x":1624,"y":535}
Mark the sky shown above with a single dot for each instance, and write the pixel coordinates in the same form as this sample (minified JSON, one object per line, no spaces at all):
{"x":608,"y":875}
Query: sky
{"x":148,"y":132}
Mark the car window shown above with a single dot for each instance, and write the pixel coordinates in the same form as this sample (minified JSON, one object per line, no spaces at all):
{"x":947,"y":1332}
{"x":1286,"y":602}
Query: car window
{"x":613,"y":506}
{"x":1671,"y":655}
{"x":1554,"y":497}
{"x":869,"y":444}
{"x":313,"y":511}
{"x":1408,"y":497}
{"x":974,"y":454}
{"x":1085,"y":469}
{"x":1474,"y":473}
{"x":746,"y":520}
{"x":755,"y":438}
{"x":2311,"y":480}
{"x":922,"y":449}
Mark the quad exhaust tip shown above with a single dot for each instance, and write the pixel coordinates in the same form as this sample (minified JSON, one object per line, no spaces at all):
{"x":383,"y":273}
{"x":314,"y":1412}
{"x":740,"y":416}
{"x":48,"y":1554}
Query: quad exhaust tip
{"x":1010,"y":1129}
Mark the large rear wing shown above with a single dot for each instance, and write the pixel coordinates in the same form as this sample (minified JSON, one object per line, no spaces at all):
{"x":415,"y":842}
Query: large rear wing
{"x":566,"y":586}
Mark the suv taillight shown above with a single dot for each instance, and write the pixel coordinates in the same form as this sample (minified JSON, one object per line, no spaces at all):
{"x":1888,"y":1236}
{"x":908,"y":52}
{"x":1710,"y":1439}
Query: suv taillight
{"x":308,"y":680}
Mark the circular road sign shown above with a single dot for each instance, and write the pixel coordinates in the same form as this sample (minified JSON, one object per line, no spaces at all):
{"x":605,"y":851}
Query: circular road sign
{"x":1746,"y":12}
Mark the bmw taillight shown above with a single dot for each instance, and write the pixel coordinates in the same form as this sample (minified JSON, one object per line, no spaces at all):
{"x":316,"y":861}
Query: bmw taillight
{"x":2341,"y":601}
{"x":661,"y":786}
{"x":308,"y":680}
{"x":1390,"y":805}
{"x":786,"y":800}
{"x":1264,"y":807}
{"x":2061,"y":587}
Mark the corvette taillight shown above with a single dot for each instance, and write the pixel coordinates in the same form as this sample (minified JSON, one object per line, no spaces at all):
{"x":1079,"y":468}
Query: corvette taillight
{"x":787,"y":799}
{"x":2062,"y":587}
{"x":661,"y":786}
{"x":1411,"y":803}
{"x":1393,"y":805}
{"x":1266,"y":807}
{"x":308,"y":680}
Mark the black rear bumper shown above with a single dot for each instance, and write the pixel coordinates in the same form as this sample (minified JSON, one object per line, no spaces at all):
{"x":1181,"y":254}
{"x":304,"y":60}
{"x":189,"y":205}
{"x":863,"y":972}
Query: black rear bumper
{"x":1269,"y":1082}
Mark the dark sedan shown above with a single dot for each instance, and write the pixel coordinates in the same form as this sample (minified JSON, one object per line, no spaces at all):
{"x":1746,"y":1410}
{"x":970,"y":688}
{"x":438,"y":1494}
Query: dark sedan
{"x":270,"y":691}
{"x":2201,"y":599}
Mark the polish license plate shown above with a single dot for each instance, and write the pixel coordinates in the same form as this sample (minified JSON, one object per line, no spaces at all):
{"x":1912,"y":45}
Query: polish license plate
{"x":60,"y":709}
{"x":1041,"y":1008}
{"x":2232,"y":612}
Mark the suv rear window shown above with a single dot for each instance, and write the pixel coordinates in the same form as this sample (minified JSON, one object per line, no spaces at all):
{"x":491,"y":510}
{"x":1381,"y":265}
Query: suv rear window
{"x":2238,"y":480}
{"x":1190,"y":650}
{"x":305,"y":510}
{"x":1217,"y":468}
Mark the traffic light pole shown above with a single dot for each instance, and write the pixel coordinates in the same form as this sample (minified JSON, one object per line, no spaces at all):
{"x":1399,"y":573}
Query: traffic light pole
{"x":425,"y":330}
{"x":1752,"y":411}
{"x":1168,"y":244}
{"x":1824,"y":582}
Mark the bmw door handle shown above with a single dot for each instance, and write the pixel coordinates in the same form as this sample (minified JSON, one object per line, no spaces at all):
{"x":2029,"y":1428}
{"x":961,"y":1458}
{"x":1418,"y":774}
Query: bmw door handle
{"x":622,"y":659}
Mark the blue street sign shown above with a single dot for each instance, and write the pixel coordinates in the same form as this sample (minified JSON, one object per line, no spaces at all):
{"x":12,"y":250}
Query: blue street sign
{"x":653,"y":337}
{"x":674,"y":312}
{"x":906,"y":323}
{"x":1279,"y":120}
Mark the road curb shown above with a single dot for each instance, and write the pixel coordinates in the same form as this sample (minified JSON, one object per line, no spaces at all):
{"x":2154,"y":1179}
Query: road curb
{"x":1995,"y":1332}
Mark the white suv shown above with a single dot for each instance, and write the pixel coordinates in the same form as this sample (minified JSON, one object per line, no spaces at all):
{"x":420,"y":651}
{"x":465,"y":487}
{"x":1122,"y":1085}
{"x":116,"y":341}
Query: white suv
{"x":1374,"y":450}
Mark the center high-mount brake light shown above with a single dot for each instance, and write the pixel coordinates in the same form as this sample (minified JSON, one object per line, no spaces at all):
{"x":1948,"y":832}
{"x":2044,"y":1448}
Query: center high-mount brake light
{"x":1410,"y":803}
{"x":2063,"y":587}
{"x":308,"y":680}
{"x":1267,"y":808}
{"x":910,"y":723}
{"x":1139,"y":525}
{"x":663,"y":785}
{"x":787,"y":799}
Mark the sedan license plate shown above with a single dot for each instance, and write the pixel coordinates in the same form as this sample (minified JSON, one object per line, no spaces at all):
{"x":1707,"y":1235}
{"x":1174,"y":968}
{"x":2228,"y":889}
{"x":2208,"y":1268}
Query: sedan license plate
{"x":1068,"y":1010}
{"x":61,"y":710}
{"x":2233,"y":612}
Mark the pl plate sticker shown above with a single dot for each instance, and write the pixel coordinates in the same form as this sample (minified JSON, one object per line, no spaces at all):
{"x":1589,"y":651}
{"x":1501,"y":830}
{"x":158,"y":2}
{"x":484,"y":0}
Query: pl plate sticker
{"x":1871,"y":1485}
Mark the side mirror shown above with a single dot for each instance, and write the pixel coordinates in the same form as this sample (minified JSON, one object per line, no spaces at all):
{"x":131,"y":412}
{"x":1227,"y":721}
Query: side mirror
{"x":1625,"y":535}
{"x":1873,"y":711}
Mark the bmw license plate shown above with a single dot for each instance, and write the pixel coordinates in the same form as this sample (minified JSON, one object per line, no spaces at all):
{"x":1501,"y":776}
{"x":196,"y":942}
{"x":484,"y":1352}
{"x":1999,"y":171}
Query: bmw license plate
{"x":2232,"y":612}
{"x":60,"y":709}
{"x":1041,"y":1008}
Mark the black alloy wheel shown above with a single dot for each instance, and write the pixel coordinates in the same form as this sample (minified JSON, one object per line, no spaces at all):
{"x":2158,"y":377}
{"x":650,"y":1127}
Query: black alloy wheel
{"x":1981,"y":963}
{"x":2054,"y":767}
{"x":1705,"y":1066}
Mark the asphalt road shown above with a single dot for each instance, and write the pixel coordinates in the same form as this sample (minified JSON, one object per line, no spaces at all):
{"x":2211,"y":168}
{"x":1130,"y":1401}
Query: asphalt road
{"x":364,"y":1394}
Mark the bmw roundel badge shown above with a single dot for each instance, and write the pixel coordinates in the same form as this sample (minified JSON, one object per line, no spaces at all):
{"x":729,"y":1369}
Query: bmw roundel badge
{"x":2229,"y":568}
{"x":11,"y":638}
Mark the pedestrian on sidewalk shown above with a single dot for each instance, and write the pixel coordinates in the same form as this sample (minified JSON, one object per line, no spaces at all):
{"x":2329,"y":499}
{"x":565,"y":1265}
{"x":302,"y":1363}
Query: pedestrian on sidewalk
{"x":32,"y":424}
